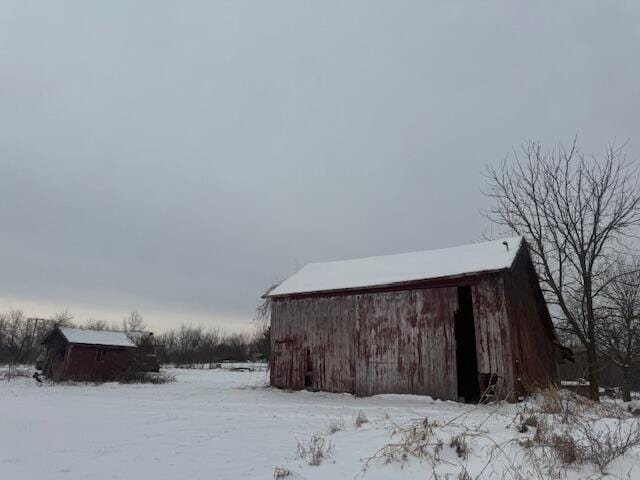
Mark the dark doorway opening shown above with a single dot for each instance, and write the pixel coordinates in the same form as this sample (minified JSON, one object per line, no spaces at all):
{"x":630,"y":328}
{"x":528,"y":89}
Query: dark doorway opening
{"x":308,"y":373}
{"x":466,"y":359}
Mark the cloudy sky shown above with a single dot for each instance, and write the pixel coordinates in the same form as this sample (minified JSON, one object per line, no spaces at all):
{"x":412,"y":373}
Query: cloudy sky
{"x":179,"y":157}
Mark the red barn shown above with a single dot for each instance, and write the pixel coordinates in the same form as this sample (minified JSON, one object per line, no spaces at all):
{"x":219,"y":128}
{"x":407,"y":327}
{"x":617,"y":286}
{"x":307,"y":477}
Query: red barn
{"x":451,"y":323}
{"x":87,"y":355}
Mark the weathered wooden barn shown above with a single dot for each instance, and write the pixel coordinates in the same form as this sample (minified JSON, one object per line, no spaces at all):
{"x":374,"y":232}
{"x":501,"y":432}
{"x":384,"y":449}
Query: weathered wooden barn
{"x":87,"y":355}
{"x":451,"y":323}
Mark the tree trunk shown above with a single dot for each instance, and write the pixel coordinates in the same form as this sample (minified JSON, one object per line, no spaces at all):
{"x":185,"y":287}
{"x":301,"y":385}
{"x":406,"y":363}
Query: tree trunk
{"x":593,"y":373}
{"x":626,"y":384}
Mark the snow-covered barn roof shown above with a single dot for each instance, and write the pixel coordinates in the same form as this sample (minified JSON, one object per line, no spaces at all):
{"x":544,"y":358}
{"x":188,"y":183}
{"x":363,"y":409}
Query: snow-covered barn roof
{"x":96,"y":337}
{"x":401,"y":268}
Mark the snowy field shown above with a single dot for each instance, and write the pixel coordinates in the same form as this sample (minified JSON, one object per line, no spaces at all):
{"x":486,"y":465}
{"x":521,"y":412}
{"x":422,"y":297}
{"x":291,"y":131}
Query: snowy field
{"x":219,"y":424}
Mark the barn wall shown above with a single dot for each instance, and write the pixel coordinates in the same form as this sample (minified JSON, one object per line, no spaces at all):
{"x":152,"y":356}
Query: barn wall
{"x":406,"y":343}
{"x":82,"y":365}
{"x":55,"y":357}
{"x":317,"y":333}
{"x":493,"y":339}
{"x":385,"y":342}
{"x":534,"y":353}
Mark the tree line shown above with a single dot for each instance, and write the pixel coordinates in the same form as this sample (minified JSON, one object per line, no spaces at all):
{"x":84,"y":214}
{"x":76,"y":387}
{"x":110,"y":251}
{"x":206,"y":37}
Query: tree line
{"x":187,"y":345}
{"x":191,"y":345}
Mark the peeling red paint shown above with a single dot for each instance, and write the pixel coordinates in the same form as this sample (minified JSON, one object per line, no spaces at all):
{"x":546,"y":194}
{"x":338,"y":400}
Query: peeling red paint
{"x":403,"y":341}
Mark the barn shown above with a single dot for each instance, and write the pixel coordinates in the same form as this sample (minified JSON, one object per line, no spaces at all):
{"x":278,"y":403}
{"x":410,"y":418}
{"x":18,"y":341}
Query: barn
{"x":87,"y":355}
{"x":456,"y":323}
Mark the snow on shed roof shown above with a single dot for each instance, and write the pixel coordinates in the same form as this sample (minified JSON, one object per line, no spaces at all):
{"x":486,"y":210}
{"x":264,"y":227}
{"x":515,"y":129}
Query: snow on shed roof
{"x":96,"y":337}
{"x":404,"y":267}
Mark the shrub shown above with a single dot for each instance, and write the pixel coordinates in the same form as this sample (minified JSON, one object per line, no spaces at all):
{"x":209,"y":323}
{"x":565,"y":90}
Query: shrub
{"x":336,"y":425}
{"x":281,"y":472}
{"x":464,"y":475}
{"x":148,"y":377}
{"x":459,"y":442}
{"x":590,"y":432}
{"x":315,"y":450}
{"x":13,"y":372}
{"x":361,"y":419}
{"x":416,"y":440}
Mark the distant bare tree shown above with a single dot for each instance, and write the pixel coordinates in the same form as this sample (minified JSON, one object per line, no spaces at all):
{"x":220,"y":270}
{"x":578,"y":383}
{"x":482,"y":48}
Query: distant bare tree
{"x":263,"y":311}
{"x":261,"y":343}
{"x":575,"y":213}
{"x":17,"y":334}
{"x":619,"y":326}
{"x":262,"y":320}
{"x":188,"y":343}
{"x":133,"y":323}
{"x":94,"y":324}
{"x":208,"y":345}
{"x":62,"y":319}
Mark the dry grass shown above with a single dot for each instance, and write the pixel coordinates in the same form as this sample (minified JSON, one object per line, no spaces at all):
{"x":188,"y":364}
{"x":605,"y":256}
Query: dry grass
{"x":464,"y":475}
{"x":572,"y":430}
{"x":416,"y":439}
{"x":459,"y":443}
{"x":12,"y":372}
{"x":148,"y":377}
{"x":557,"y":431}
{"x":315,"y":450}
{"x":336,"y":425}
{"x":566,"y":405}
{"x":361,"y":419}
{"x":281,"y":472}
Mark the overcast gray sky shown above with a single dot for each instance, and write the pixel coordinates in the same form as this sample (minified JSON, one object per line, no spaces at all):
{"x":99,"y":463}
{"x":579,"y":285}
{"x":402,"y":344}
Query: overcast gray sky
{"x":178,"y":157}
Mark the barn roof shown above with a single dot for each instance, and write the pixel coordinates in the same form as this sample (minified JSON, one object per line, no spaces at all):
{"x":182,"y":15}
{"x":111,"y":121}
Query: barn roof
{"x":96,"y":337}
{"x":401,"y":268}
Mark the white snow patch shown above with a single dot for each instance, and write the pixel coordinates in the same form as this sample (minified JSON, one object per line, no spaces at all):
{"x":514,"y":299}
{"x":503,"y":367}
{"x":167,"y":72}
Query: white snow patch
{"x":95,"y":337}
{"x":405,"y":267}
{"x":225,"y":425}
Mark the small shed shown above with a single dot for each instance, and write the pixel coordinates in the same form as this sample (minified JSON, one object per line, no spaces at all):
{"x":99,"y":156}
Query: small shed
{"x":455,"y":323}
{"x":87,"y":355}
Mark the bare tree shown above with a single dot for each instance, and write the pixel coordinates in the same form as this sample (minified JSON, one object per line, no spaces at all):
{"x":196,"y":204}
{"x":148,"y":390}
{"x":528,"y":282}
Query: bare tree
{"x":62,"y":319}
{"x":133,"y":323}
{"x":575,"y":213}
{"x":262,"y":321}
{"x":262,"y":316}
{"x":95,"y":324}
{"x":17,"y":335}
{"x":619,"y":326}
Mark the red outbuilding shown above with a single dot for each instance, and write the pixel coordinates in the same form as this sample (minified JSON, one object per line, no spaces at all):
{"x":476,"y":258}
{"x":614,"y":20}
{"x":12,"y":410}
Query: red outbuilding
{"x":87,"y":355}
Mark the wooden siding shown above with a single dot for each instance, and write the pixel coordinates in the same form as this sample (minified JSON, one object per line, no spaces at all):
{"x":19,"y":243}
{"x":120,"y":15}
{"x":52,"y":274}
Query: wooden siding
{"x":388,"y":342}
{"x":82,"y":363}
{"x":493,"y":341}
{"x":325,"y":329}
{"x":532,"y":334}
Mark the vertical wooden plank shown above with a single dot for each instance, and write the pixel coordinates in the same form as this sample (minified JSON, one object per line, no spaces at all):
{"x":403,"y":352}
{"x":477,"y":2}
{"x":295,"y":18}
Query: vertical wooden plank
{"x":406,"y":342}
{"x":493,"y":339}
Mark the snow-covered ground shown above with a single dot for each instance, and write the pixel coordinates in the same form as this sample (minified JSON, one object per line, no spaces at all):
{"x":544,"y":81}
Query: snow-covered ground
{"x":219,"y":424}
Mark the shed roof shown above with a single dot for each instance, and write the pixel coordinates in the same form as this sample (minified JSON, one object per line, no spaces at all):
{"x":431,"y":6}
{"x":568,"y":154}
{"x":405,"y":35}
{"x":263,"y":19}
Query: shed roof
{"x":96,"y":337}
{"x":401,"y":268}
